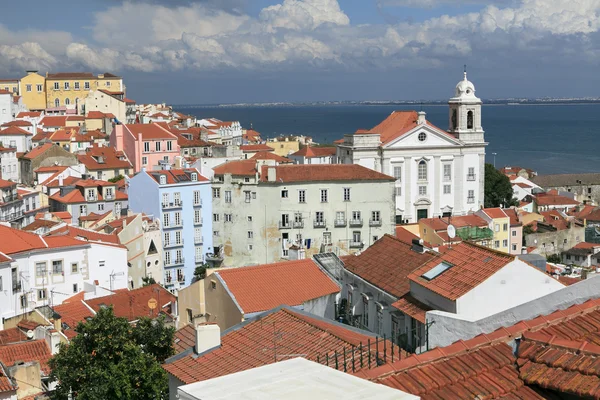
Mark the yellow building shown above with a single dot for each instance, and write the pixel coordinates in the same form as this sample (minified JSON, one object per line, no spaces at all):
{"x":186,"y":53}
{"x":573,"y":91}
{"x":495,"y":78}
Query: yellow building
{"x":33,"y":91}
{"x":499,"y":223}
{"x":69,"y":89}
{"x":12,"y":85}
{"x":284,"y":145}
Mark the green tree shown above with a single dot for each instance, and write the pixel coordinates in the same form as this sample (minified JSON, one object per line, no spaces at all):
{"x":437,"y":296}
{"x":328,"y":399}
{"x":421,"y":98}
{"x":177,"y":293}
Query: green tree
{"x":155,"y":337}
{"x":111,"y":359}
{"x":148,"y":280}
{"x":498,"y":192}
{"x":200,"y":272}
{"x":116,"y":178}
{"x":554,"y":258}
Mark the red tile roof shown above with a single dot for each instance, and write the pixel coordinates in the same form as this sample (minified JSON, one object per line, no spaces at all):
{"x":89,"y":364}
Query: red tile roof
{"x":7,"y":184}
{"x":12,"y":335}
{"x":264,"y":287}
{"x":15,"y":130}
{"x":323,"y":173}
{"x":31,"y":114}
{"x":96,"y":115}
{"x":514,"y":217}
{"x":251,"y":148}
{"x":404,"y":234}
{"x":494,"y":213}
{"x":312,"y":152}
{"x":397,"y":124}
{"x":76,"y":196}
{"x":39,"y":223}
{"x":73,"y":312}
{"x":16,"y":241}
{"x":471,"y":265}
{"x":245,"y":346}
{"x":387,"y":264}
{"x":54,"y":121}
{"x":237,"y":168}
{"x":35,"y":350}
{"x":184,"y":338}
{"x":16,"y":123}
{"x":84,"y":234}
{"x":108,"y":155}
{"x":133,"y":304}
{"x":265,"y":155}
{"x":70,"y":75}
{"x":175,"y":176}
{"x":546,"y":199}
{"x":149,"y":131}
{"x":64,"y":134}
{"x":413,"y":307}
{"x":37,"y":151}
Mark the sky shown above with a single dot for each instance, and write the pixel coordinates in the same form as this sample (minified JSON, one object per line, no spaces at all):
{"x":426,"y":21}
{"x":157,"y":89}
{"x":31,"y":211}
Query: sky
{"x":232,"y":51}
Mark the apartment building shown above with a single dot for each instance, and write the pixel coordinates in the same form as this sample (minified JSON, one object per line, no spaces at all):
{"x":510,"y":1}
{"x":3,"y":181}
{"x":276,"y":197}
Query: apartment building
{"x":70,"y":89}
{"x":181,"y":200}
{"x":104,"y":162}
{"x":264,"y":212}
{"x":18,"y":205}
{"x":113,"y":102}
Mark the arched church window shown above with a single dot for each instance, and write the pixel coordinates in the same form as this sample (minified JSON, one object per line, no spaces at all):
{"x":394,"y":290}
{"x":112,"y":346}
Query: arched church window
{"x":453,"y":119}
{"x":422,"y":170}
{"x":470,"y":120}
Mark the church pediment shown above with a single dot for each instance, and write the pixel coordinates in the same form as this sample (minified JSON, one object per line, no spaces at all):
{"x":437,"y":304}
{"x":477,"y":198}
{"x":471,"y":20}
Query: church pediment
{"x":424,"y":136}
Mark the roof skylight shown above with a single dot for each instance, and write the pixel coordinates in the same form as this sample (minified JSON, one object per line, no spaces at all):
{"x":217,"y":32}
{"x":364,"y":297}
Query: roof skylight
{"x":437,"y":270}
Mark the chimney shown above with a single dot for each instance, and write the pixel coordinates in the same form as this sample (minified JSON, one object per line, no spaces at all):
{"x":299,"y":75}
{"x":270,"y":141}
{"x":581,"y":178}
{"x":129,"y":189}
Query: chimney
{"x":60,"y":181}
{"x":271,"y":174}
{"x":208,"y":336}
{"x":421,"y":118}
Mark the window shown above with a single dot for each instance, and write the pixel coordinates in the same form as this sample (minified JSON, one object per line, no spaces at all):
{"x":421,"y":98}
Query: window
{"x":108,"y":84}
{"x":177,"y":198}
{"x":319,"y":217}
{"x":422,"y":137}
{"x":100,"y":206}
{"x":356,"y":236}
{"x":379,"y":327}
{"x":398,"y":190}
{"x":284,"y":194}
{"x":23,"y":301}
{"x":101,"y":263}
{"x":497,"y":227}
{"x":514,"y":247}
{"x":41,"y":294}
{"x":86,"y":85}
{"x":250,"y":234}
{"x":144,"y":160}
{"x":28,"y":88}
{"x":514,"y":233}
{"x":194,"y":177}
{"x":447,"y":189}
{"x":422,"y":190}
{"x":375,"y":216}
{"x":189,"y":315}
{"x":471,"y":196}
{"x":497,"y":244}
{"x":469,"y":119}
{"x":505,"y":243}
{"x":75,"y":288}
{"x":215,"y":233}
{"x":301,"y":196}
{"x":471,"y":174}
{"x":169,"y":145}
{"x":177,"y":218}
{"x":398,"y":173}
{"x":40,"y":269}
{"x":568,"y":256}
{"x":216,"y":193}
{"x":67,"y":86}
{"x":505,"y":227}
{"x":165,"y":199}
{"x":365,"y":315}
{"x":346,"y":194}
{"x":247,"y":197}
{"x":228,"y":217}
{"x":215,"y":217}
{"x":198,"y":217}
{"x":157,"y":146}
{"x":196,"y":197}
{"x":247,"y":180}
{"x":422,"y":171}
{"x":437,"y":270}
{"x":340,"y":216}
{"x":227,"y":196}
{"x":323,"y":195}
{"x":356,"y":215}
{"x":83,"y":209}
{"x":57,"y":267}
{"x":285,"y":220}
{"x":146,"y":146}
{"x":249,"y":218}
{"x":166,"y":219}
{"x":40,"y":88}
{"x":56,"y":86}
{"x":447,"y":172}
{"x":56,"y":103}
{"x":76,"y":85}
{"x":197,"y":234}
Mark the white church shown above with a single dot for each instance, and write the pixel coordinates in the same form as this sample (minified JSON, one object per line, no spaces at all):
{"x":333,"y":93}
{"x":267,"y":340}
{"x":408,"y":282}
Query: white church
{"x":438,"y":172}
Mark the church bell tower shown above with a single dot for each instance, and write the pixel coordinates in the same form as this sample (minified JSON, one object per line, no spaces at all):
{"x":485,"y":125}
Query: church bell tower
{"x":465,"y":113}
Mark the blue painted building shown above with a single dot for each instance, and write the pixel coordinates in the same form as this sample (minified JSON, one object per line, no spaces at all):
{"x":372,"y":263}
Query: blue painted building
{"x":182,"y":200}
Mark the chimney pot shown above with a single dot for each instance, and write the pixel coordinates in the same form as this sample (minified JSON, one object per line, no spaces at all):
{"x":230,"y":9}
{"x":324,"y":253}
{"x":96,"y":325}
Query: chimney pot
{"x":208,"y":336}
{"x":271,"y":174}
{"x":421,"y":118}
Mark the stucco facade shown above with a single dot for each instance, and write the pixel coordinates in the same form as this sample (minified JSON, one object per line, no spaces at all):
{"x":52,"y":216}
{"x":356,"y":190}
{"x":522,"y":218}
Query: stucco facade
{"x":33,"y":91}
{"x":103,"y":101}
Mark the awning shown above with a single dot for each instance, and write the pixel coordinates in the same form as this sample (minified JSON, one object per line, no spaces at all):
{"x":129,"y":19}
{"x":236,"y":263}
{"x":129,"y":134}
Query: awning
{"x":412,"y":307}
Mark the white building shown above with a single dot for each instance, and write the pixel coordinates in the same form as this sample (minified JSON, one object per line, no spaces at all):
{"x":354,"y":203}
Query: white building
{"x":36,"y":270}
{"x":9,"y":164}
{"x":314,"y":155}
{"x":17,"y":134}
{"x":6,"y":100}
{"x":523,"y":187}
{"x":223,"y":132}
{"x":437,"y":172}
{"x":261,"y":210}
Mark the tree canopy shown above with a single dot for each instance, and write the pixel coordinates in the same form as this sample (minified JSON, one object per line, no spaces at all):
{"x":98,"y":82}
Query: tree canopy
{"x":111,"y":359}
{"x":498,"y":191}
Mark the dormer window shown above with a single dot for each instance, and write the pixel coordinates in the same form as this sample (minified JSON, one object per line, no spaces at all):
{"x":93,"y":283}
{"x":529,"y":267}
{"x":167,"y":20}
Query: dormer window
{"x":194,"y":177}
{"x":163,"y":179}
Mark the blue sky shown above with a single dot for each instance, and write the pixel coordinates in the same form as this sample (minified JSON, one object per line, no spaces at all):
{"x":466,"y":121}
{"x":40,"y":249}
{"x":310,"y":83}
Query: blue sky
{"x":224,"y":51}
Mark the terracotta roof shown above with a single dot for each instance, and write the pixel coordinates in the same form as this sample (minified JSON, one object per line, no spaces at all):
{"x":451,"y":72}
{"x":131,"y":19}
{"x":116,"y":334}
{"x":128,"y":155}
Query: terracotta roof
{"x":12,"y":335}
{"x":7,"y":384}
{"x":413,"y":307}
{"x":149,"y":131}
{"x":387,"y":264}
{"x":37,"y":151}
{"x":312,"y":152}
{"x":470,"y":266}
{"x":265,"y":155}
{"x":514,"y":217}
{"x":129,"y":101}
{"x":494,"y":213}
{"x":70,"y":75}
{"x":39,"y":223}
{"x":397,"y":124}
{"x":237,"y":168}
{"x":266,"y":286}
{"x":404,"y":234}
{"x":133,"y":304}
{"x":586,"y":245}
{"x":17,"y":123}
{"x":84,"y":234}
{"x":244,"y":346}
{"x":546,"y":199}
{"x":96,"y":115}
{"x":522,"y":185}
{"x":63,"y":134}
{"x":76,"y":196}
{"x":108,"y":155}
{"x":72,"y":313}
{"x":30,"y":114}
{"x":593,"y":216}
{"x":175,"y":176}
{"x":54,"y":121}
{"x":562,"y":180}
{"x":15,"y":130}
{"x":323,"y":173}
{"x":184,"y":338}
{"x":250,"y":148}
{"x":6,"y":184}
{"x":35,"y":350}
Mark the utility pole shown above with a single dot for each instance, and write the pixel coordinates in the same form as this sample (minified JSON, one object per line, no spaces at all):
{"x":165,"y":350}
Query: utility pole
{"x":494,"y":154}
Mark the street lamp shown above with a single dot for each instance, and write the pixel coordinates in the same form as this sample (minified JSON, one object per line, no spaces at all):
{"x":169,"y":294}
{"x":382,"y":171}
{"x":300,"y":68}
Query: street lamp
{"x":494,"y":154}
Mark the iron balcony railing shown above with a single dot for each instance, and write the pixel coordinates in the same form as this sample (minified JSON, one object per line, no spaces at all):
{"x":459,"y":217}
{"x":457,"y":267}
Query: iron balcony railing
{"x":177,"y":204}
{"x":319,"y":224}
{"x":374,"y":222}
{"x":339,"y":223}
{"x":356,"y":222}
{"x":298,"y":224}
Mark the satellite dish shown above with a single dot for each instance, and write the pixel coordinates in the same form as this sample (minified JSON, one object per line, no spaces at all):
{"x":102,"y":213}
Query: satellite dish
{"x":30,"y":334}
{"x":451,"y":231}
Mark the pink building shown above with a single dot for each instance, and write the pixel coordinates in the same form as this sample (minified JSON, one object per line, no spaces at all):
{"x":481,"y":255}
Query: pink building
{"x":146,"y":145}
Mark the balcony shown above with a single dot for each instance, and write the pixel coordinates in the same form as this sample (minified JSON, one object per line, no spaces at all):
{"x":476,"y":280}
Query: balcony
{"x":16,"y":287}
{"x":285,"y":225}
{"x":176,"y":261}
{"x":198,"y":204}
{"x":298,"y":224}
{"x":319,"y":224}
{"x":91,"y":198}
{"x":173,"y":225}
{"x":173,"y":244}
{"x":470,"y":200}
{"x":471,"y":177}
{"x":339,"y":223}
{"x":11,"y":216}
{"x":213,"y":257}
{"x":374,"y":222}
{"x":199,"y":240}
{"x":198,"y":222}
{"x":356,"y":245}
{"x":172,"y":205}
{"x":356,"y":222}
{"x":199,"y":259}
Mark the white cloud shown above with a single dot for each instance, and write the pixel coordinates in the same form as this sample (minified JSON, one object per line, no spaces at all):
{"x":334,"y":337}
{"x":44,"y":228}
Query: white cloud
{"x":303,"y":14}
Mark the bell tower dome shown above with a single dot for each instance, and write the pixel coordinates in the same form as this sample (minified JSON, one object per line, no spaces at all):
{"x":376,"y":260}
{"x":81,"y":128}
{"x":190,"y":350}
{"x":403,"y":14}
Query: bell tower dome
{"x":465,"y":113}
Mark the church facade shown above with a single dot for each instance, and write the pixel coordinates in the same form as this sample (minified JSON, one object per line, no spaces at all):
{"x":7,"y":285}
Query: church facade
{"x":438,"y":172}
